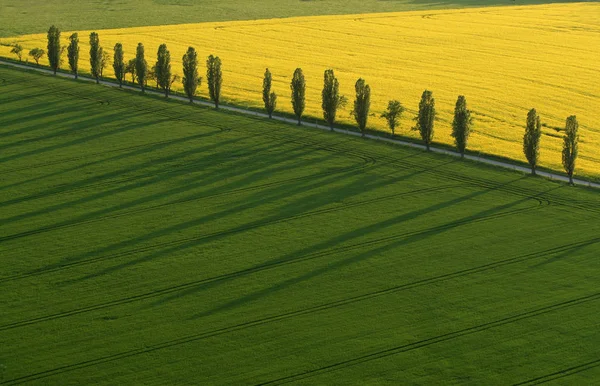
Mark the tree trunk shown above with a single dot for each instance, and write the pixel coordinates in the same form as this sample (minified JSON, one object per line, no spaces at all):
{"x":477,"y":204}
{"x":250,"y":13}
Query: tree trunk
{"x":427,"y":145}
{"x":299,"y":121}
{"x":97,"y":80}
{"x":462,"y":154}
{"x":533,"y":171}
{"x":571,"y":179}
{"x":76,"y":76}
{"x":270,"y":115}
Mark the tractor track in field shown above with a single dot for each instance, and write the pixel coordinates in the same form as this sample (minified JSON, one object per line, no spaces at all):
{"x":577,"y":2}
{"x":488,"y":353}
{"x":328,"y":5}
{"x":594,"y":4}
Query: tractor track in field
{"x":356,"y":360}
{"x":561,"y":373}
{"x":276,"y":264}
{"x":431,"y":341}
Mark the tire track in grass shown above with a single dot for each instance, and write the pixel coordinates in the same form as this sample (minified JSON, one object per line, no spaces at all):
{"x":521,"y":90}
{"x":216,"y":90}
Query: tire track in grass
{"x":276,"y":264}
{"x":314,"y":372}
{"x":561,"y":373}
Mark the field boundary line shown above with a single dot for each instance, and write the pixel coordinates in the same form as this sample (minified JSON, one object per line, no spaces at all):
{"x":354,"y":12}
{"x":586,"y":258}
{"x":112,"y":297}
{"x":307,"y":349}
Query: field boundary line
{"x":484,"y":160}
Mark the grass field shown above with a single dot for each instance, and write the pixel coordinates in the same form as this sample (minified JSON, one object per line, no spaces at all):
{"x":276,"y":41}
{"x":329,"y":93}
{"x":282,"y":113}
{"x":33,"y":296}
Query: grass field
{"x":152,"y":242}
{"x":504,"y":60}
{"x":30,"y":16}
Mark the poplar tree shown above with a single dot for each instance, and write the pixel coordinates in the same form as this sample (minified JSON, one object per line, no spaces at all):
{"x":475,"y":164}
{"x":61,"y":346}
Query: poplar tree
{"x":570,"y":146}
{"x":461,"y":125}
{"x":362,"y":104}
{"x":298,"y":87}
{"x":214,"y":77}
{"x":190,"y":73}
{"x":331,"y":98}
{"x":426,"y":118}
{"x":531,"y":139}
{"x":54,"y":50}
{"x":393,"y":114}
{"x":119,"y":66}
{"x":141,"y":67}
{"x":163,"y":69}
{"x":269,"y":97}
{"x":73,"y":53}
{"x":95,"y":56}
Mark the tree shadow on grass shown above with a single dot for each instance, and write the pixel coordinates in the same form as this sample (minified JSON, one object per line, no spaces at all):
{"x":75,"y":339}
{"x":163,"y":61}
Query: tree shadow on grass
{"x":488,"y":214}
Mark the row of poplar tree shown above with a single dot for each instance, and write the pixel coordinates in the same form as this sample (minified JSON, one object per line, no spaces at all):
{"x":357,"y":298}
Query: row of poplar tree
{"x":331,"y":98}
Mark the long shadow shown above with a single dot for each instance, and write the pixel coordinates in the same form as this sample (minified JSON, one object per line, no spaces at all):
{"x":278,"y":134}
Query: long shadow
{"x":44,"y":106}
{"x":488,"y":214}
{"x":106,"y":177}
{"x":564,"y":255}
{"x":78,"y":141}
{"x":119,"y":189}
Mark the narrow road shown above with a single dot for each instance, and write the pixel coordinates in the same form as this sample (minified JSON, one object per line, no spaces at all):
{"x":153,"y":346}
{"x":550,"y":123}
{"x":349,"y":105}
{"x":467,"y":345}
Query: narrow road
{"x":488,"y":161}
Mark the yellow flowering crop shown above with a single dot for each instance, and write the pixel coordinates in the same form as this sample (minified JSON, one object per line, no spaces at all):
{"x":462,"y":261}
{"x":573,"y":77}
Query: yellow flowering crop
{"x":505,"y":60}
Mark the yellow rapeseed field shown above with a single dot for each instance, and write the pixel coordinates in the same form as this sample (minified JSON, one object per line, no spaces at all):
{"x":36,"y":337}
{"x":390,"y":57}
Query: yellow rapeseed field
{"x":505,"y":60}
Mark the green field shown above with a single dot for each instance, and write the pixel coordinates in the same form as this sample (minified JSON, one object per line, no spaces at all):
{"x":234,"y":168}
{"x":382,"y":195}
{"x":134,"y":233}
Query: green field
{"x":153,"y":242}
{"x":32,"y":16}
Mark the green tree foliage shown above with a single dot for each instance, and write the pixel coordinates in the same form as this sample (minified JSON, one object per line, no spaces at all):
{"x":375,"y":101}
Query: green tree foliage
{"x":141,"y":67}
{"x":298,"y":87}
{"x":73,"y":53}
{"x":531,"y":139}
{"x":426,"y":118}
{"x":461,"y":125}
{"x":362,"y":104}
{"x":269,"y":97}
{"x":331,"y":99}
{"x":95,"y":56}
{"x":130,"y":69}
{"x":104,"y":61}
{"x":37,"y":54}
{"x":17,"y":49}
{"x":214,"y":78}
{"x":54,"y":50}
{"x":163,"y":69}
{"x":119,"y":66}
{"x":570,"y":146}
{"x":191,"y":81}
{"x":393,"y":114}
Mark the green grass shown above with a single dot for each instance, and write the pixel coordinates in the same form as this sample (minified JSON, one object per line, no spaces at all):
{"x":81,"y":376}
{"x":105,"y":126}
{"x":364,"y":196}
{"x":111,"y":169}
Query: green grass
{"x":153,"y":242}
{"x":32,"y":16}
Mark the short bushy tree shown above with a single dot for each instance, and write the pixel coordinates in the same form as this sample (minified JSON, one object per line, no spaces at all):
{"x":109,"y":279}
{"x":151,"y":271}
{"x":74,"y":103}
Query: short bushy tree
{"x":54,"y":49}
{"x":393,"y":114}
{"x":269,"y":97}
{"x":141,"y":66}
{"x":531,"y":139}
{"x":119,"y":66}
{"x":298,"y":87}
{"x":214,"y":78}
{"x":37,"y":54}
{"x":130,"y":69}
{"x":461,"y":125}
{"x":362,"y":104}
{"x":95,"y":56}
{"x":17,"y":49}
{"x":191,"y":81}
{"x":426,"y":118}
{"x":570,"y":146}
{"x":104,"y":61}
{"x":73,"y":53}
{"x":331,"y":99}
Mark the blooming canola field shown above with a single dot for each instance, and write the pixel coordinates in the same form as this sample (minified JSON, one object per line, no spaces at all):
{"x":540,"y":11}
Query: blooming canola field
{"x":505,"y":60}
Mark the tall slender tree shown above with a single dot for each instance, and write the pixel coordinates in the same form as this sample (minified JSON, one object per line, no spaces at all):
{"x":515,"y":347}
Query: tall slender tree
{"x":95,"y":56}
{"x":531,"y":139}
{"x":54,"y":49}
{"x":298,"y":87}
{"x":214,"y":78}
{"x":163,"y":69}
{"x":73,"y":53}
{"x":570,"y":146}
{"x":393,"y":114}
{"x":269,"y":97}
{"x":426,"y":118}
{"x":141,"y":66}
{"x":119,"y":65}
{"x":331,"y":99}
{"x":461,"y":125}
{"x":362,"y":104}
{"x":190,"y":73}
